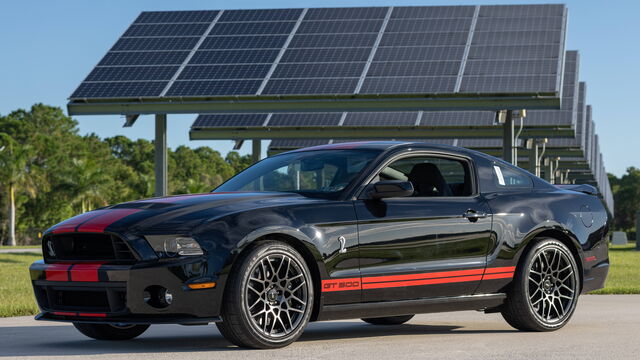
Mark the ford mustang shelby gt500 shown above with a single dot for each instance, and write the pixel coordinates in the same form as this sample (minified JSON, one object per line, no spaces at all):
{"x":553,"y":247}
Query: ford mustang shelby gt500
{"x":371,"y":230}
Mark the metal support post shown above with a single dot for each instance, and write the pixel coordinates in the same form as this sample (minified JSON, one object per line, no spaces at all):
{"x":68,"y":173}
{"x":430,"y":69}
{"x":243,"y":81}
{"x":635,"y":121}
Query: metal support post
{"x":548,"y":171}
{"x":532,"y":145}
{"x":161,"y":155}
{"x":508,"y":138}
{"x":256,"y":150}
{"x":539,"y":159}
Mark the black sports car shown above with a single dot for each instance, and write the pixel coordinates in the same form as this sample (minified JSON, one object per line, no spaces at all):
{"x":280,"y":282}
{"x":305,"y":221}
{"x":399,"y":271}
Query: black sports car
{"x":371,"y":230}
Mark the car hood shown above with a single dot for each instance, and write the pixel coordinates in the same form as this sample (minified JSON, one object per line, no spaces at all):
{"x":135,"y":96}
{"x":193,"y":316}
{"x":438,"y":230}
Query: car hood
{"x":173,"y":214}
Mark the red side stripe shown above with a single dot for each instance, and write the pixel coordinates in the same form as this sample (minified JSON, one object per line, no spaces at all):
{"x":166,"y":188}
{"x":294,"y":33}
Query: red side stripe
{"x":93,"y":314}
{"x":443,"y":277}
{"x":498,"y":276}
{"x":421,"y":282}
{"x":64,"y":313}
{"x":99,"y":223}
{"x":441,"y":274}
{"x":500,"y":269}
{"x":57,"y":272}
{"x":85,"y":272}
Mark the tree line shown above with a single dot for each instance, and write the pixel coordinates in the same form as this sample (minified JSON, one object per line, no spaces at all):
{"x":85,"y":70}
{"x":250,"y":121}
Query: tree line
{"x":49,"y":172}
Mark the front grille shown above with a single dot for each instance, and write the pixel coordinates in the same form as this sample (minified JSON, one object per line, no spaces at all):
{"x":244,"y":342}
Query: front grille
{"x":102,"y":299}
{"x":86,"y":247}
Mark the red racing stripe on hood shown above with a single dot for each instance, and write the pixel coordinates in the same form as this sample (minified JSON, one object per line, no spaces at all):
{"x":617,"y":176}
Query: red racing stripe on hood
{"x":99,"y":223}
{"x":71,"y":224}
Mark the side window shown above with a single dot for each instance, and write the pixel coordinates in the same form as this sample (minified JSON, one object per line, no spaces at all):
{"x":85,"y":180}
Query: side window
{"x":507,"y":177}
{"x":431,"y":176}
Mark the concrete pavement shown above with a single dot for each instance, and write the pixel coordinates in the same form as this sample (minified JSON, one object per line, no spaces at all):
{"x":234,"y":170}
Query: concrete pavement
{"x":20,"y":251}
{"x":603,"y":327}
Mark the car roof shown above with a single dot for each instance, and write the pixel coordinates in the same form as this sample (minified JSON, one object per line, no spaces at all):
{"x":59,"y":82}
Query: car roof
{"x":385,"y":145}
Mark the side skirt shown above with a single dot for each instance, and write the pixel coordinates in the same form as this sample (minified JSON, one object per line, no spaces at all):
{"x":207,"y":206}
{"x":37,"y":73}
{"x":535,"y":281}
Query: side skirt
{"x":406,"y":307}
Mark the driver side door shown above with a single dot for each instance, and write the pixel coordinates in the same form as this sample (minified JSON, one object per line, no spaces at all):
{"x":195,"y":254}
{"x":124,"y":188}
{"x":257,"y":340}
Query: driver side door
{"x":431,"y":244}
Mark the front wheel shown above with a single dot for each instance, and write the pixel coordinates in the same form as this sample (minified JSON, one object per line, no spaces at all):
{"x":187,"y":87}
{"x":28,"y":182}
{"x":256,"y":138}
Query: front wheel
{"x":111,"y":332}
{"x":545,"y":290}
{"x":269,"y":297}
{"x":389,"y":320}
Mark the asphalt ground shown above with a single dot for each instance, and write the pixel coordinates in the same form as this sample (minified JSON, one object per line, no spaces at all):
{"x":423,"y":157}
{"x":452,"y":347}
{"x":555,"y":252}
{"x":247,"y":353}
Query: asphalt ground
{"x":603,"y":327}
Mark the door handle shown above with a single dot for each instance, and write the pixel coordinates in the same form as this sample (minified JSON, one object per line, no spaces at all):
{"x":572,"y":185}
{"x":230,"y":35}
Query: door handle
{"x":473,"y":215}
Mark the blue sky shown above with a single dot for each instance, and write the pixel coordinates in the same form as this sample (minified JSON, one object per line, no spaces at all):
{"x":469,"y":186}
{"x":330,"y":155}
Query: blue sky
{"x":48,"y":47}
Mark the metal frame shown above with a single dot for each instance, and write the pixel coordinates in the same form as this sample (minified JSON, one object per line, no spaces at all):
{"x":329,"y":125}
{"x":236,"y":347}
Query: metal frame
{"x":335,"y":103}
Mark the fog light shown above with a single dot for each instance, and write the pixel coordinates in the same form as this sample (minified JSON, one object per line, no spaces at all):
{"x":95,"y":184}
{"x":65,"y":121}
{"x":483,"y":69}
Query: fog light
{"x":168,"y":297}
{"x":157,"y":296}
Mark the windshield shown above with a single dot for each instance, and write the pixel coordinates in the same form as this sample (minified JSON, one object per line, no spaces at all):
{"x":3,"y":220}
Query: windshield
{"x":320,"y":173}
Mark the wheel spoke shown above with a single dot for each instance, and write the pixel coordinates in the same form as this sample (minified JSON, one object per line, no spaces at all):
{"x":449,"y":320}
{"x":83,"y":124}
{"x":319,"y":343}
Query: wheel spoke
{"x":566,"y":277}
{"x":566,"y":287}
{"x":561,"y":305}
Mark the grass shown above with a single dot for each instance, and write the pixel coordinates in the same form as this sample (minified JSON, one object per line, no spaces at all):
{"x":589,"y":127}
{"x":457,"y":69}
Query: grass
{"x":16,"y":294}
{"x":624,"y":274}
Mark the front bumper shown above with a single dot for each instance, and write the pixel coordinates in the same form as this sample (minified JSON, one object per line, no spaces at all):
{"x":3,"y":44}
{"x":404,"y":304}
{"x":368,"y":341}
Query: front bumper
{"x":112,"y":293}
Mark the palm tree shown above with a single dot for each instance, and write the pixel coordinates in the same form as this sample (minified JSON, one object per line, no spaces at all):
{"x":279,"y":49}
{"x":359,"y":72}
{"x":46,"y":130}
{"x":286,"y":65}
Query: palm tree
{"x":89,"y":183}
{"x":14,"y":161}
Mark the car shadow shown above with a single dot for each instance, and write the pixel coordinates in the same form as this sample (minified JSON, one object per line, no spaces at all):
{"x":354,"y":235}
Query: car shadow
{"x":54,"y":340}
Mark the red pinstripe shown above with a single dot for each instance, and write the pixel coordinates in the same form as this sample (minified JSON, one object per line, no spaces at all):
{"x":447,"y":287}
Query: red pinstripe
{"x":422,"y":276}
{"x":498,"y":276}
{"x":442,"y":277}
{"x":421,"y":282}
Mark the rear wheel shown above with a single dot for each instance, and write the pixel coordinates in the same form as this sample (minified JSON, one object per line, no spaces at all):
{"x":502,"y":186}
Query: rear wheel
{"x":545,"y":290}
{"x":389,"y":320}
{"x":269,"y":298}
{"x":111,"y":332}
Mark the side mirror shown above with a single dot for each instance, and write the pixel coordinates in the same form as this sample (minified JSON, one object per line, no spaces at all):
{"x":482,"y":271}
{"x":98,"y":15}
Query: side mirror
{"x":391,"y":189}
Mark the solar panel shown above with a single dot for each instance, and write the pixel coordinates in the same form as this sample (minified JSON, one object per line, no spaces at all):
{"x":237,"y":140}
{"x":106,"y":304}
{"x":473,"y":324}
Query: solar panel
{"x":568,"y":113}
{"x":381,"y":119}
{"x":300,"y":119}
{"x":366,"y":51}
{"x":230,"y":120}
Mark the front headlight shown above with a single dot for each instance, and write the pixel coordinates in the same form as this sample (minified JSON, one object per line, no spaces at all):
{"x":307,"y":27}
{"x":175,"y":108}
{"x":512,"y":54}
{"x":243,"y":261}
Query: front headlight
{"x":168,"y":246}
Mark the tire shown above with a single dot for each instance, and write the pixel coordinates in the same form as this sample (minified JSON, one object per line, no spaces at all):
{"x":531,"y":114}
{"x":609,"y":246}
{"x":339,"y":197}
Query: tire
{"x":389,"y":320}
{"x":111,"y":332}
{"x":269,"y":297}
{"x":545,"y":290}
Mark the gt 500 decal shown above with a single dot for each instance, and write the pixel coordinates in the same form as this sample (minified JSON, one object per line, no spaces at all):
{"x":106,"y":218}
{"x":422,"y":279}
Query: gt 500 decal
{"x":442,"y":277}
{"x":341,"y":284}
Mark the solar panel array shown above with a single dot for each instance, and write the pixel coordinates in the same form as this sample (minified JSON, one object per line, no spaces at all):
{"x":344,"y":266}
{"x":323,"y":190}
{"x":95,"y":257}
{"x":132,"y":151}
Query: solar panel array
{"x":371,"y":50}
{"x":567,"y":115}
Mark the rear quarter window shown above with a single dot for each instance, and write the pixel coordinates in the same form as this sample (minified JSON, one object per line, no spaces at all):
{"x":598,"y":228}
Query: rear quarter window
{"x":507,"y":177}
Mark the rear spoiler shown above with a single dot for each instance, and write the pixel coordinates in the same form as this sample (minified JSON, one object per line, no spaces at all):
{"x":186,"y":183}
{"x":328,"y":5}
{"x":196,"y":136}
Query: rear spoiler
{"x":583,"y":188}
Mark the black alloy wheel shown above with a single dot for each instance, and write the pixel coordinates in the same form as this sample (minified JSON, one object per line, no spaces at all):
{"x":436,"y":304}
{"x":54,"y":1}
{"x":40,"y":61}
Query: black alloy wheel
{"x":269,"y":299}
{"x":545,"y":290}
